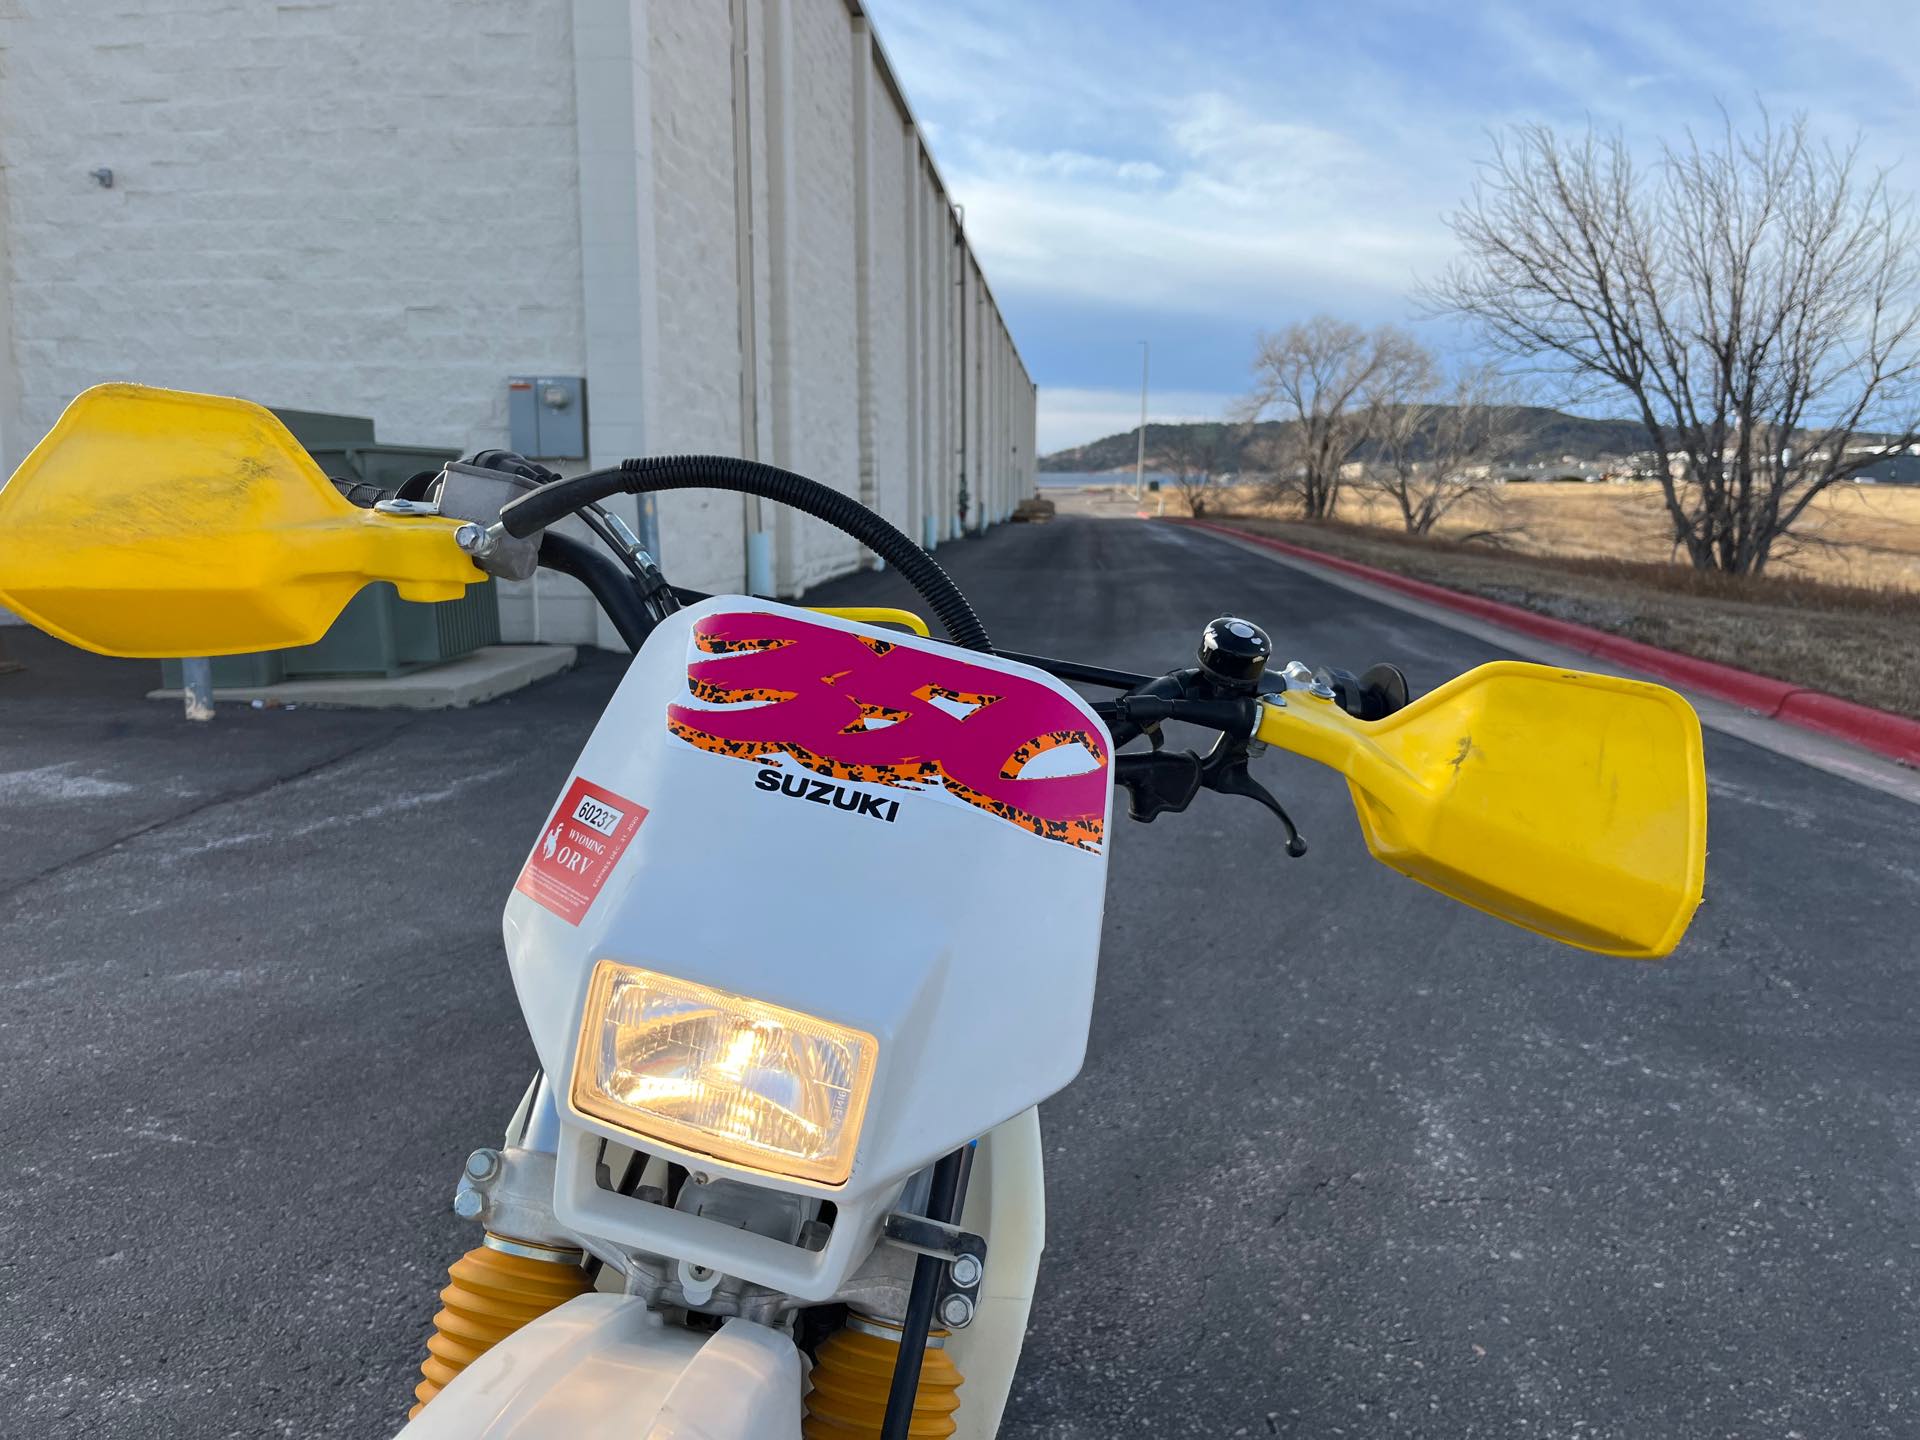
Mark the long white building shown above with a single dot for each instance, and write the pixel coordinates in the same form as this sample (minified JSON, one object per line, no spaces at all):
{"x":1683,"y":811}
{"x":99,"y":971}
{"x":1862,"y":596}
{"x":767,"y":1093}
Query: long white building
{"x":719,"y":213}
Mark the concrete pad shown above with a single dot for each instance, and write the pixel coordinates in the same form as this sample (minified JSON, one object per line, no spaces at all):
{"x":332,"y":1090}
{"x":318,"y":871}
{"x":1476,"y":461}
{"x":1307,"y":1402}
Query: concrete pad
{"x":486,"y":674}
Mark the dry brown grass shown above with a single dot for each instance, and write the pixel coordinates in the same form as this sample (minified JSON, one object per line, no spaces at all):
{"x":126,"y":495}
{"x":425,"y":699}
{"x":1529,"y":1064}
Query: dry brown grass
{"x":1827,"y":631}
{"x":1855,"y":535}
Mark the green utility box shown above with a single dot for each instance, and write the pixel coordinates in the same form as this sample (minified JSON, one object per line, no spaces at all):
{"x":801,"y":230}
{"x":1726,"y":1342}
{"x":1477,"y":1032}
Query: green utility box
{"x":343,"y":445}
{"x":378,"y":633}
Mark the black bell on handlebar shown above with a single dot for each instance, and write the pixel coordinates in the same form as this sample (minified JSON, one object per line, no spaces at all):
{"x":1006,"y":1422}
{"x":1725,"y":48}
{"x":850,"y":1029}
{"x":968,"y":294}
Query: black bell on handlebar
{"x":1234,"y":653}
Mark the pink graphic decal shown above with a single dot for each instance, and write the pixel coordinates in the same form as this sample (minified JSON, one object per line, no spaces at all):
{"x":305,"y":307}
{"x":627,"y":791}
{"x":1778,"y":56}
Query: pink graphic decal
{"x":856,"y":707}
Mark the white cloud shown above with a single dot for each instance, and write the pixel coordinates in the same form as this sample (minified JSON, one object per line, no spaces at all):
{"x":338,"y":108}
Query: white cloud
{"x":1058,"y":165}
{"x":1243,"y":216}
{"x":1239,"y":166}
{"x":1254,"y":157}
{"x":1074,"y":416}
{"x":1210,"y":192}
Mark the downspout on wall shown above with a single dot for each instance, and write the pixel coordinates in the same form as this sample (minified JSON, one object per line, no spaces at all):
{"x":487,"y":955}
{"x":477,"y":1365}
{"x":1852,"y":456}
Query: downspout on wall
{"x":777,"y":47}
{"x":962,"y":500}
{"x":916,"y":362}
{"x":13,"y":448}
{"x":863,"y":263}
{"x":613,"y":131}
{"x":758,"y":561}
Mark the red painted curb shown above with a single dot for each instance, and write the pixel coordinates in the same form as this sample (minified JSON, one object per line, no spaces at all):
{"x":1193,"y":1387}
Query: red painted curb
{"x":1760,"y":693}
{"x":1876,"y":730}
{"x":1893,"y":735}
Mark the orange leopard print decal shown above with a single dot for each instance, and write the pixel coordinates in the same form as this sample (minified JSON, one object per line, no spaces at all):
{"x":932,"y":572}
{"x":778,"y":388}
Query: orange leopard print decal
{"x":851,"y":707}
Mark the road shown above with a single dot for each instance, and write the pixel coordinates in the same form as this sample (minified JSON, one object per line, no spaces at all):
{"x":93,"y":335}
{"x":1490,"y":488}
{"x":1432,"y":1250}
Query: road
{"x":1345,"y":1159}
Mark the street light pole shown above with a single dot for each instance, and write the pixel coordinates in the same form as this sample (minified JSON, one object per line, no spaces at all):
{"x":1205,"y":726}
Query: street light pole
{"x":1140,"y":451}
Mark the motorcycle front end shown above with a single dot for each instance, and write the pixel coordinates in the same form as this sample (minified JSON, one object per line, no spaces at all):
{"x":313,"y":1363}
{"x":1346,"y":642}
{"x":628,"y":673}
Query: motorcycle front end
{"x":813,"y":926}
{"x":789,"y":943}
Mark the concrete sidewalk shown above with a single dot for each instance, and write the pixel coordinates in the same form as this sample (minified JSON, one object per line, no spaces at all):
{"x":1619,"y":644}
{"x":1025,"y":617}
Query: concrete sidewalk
{"x":88,"y":763}
{"x":486,"y":674}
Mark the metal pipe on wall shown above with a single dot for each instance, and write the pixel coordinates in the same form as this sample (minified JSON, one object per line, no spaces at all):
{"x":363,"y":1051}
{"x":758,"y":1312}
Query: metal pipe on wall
{"x":776,"y":39}
{"x":961,"y":496}
{"x":758,"y":559}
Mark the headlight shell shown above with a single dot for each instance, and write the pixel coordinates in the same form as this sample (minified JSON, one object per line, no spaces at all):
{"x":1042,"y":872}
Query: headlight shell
{"x":746,"y":1082}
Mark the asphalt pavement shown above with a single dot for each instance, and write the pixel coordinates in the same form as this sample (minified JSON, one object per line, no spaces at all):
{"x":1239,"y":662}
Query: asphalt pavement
{"x":1345,"y":1159}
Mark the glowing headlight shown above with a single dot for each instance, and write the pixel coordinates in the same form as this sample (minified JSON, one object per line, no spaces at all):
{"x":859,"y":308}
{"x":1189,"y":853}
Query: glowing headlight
{"x":740,"y":1080}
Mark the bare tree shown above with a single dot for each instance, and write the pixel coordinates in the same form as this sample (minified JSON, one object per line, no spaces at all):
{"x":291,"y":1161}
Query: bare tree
{"x":1195,"y":456}
{"x":1432,"y":455}
{"x":1329,"y":381}
{"x":1753,"y":299}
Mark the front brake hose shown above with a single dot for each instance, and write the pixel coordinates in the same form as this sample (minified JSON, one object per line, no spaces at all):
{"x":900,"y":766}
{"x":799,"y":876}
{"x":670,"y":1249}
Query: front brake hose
{"x":944,"y":1198}
{"x":608,"y":582}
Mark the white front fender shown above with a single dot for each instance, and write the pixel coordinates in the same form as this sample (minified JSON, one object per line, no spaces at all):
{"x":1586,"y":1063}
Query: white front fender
{"x":603,"y":1366}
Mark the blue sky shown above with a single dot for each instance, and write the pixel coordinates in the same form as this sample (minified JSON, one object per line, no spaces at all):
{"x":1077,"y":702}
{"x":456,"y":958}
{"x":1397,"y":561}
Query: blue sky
{"x":1191,"y":173}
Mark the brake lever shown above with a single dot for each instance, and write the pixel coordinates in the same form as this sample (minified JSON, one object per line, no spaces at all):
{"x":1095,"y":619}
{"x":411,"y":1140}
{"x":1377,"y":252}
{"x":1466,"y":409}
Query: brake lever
{"x":1221,"y":694}
{"x":1225,"y":770}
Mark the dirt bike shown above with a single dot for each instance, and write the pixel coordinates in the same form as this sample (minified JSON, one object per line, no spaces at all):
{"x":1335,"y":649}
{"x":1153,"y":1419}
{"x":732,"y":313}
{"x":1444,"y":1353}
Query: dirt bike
{"x":814,"y":924}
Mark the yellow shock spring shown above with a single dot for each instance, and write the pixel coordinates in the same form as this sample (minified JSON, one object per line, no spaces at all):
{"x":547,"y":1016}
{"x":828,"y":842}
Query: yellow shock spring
{"x":489,"y":1295}
{"x":851,"y":1374}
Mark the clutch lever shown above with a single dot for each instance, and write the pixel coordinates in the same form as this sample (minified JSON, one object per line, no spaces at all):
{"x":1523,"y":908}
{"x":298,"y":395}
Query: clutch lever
{"x":1157,"y":781}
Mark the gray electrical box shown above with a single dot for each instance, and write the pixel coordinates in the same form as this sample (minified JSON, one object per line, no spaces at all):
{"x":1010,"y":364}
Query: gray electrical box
{"x":547,"y":416}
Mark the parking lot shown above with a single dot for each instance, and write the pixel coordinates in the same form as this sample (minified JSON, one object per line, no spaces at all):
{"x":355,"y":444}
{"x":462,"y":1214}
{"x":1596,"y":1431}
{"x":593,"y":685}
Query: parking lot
{"x":1344,"y":1159}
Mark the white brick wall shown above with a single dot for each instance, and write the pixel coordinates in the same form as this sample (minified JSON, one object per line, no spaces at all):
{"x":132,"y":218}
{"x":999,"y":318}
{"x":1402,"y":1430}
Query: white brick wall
{"x":377,"y":207}
{"x":360,"y":207}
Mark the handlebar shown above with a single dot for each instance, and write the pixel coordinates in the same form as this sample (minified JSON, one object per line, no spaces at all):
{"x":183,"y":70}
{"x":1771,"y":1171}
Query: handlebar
{"x":534,"y":511}
{"x":1224,"y":692}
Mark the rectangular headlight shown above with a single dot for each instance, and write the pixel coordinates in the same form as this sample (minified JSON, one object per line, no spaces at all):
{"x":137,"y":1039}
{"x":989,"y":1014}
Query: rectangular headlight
{"x":740,"y":1080}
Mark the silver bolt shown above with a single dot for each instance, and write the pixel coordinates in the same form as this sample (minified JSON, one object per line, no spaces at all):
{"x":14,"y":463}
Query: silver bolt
{"x":468,"y":1203}
{"x":700,"y":1273}
{"x":966,"y":1271}
{"x":957,"y":1312}
{"x":471,"y":538}
{"x":700,"y":1177}
{"x":483,"y":1164}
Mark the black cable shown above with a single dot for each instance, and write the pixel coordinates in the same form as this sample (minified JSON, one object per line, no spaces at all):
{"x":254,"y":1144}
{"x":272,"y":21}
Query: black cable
{"x":943,"y":1204}
{"x":596,"y":520}
{"x":540,"y":508}
{"x":607,"y":582}
{"x":1075,"y":671}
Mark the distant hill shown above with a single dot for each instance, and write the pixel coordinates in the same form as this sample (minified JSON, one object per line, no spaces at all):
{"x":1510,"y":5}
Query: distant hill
{"x":1550,"y":434}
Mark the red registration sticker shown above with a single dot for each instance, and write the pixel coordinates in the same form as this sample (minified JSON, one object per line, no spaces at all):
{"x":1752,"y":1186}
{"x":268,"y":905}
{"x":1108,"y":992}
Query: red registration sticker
{"x":584,"y":839}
